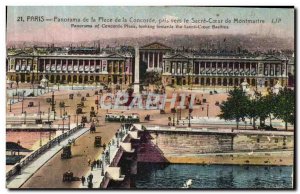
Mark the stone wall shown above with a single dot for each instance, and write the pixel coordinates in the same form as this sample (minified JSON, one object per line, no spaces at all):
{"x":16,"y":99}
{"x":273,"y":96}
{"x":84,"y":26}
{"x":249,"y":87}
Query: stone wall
{"x":262,"y":142}
{"x":195,"y":143}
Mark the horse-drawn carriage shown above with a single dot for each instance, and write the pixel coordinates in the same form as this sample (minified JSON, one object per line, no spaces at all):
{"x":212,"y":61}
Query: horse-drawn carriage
{"x":162,"y":111}
{"x":98,"y":141}
{"x":67,"y":153}
{"x":30,"y":104}
{"x":92,"y":112}
{"x":62,"y":104}
{"x":71,"y":96}
{"x":69,"y":176}
{"x":79,"y":110}
{"x":84,"y":119}
{"x":38,"y":121}
{"x":147,"y":118}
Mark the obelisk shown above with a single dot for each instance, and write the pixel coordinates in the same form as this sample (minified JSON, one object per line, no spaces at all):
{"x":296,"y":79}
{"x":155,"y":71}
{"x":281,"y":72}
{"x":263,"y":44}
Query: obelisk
{"x":136,"y":85}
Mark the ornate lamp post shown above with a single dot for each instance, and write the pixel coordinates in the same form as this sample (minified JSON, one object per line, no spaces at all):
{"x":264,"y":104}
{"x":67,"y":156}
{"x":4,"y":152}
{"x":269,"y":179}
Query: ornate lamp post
{"x":22,"y":106}
{"x":190,"y":111}
{"x":76,"y":119}
{"x":25,"y":117}
{"x":63,"y":129}
{"x":173,"y":110}
{"x":10,"y":105}
{"x":207,"y":109}
{"x":41,"y":143}
{"x":69,"y":117}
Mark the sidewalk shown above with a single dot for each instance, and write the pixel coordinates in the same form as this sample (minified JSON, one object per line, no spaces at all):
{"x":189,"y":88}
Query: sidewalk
{"x":97,"y":175}
{"x":29,"y":170}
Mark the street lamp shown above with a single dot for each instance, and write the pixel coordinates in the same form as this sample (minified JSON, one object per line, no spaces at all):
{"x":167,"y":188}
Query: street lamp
{"x":32,"y":89}
{"x":173,"y":110}
{"x":76,"y":119}
{"x":23,"y":106}
{"x":178,"y":116}
{"x":10,"y":105}
{"x":41,"y":143}
{"x":63,"y":129}
{"x":25,"y":117}
{"x":207,"y":109}
{"x":49,"y":135}
{"x":190,"y":111}
{"x":40,"y":112}
{"x":48,"y":115}
{"x":69,"y":117}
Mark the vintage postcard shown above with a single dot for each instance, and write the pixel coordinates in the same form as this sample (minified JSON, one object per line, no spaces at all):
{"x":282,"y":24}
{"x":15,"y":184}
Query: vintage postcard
{"x":160,"y":97}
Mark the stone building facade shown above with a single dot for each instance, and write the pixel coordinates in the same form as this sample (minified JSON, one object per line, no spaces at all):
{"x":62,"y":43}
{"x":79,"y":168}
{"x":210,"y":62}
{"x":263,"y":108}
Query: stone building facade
{"x":103,"y":68}
{"x":176,"y":67}
{"x":199,"y":70}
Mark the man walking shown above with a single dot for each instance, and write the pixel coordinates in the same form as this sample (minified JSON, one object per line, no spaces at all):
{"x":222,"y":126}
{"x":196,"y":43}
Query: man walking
{"x":83,"y":180}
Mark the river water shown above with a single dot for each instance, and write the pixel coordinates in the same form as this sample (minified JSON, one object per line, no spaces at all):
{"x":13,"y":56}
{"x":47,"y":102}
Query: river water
{"x":161,"y":176}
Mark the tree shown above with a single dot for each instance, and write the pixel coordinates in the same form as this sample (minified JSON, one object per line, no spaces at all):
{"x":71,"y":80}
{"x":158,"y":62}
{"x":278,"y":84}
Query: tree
{"x":252,"y":110}
{"x":285,"y":106}
{"x":235,"y":108}
{"x":152,"y":78}
{"x":270,"y":105}
{"x":262,"y":108}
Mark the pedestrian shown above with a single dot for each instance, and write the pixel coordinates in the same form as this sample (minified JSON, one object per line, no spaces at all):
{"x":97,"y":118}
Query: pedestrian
{"x":98,"y":163}
{"x":94,"y":163}
{"x":83,"y":180}
{"x":91,"y":178}
{"x":92,"y":166}
{"x":18,"y":168}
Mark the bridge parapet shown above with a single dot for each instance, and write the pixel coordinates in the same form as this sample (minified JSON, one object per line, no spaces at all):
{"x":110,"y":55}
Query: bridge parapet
{"x":33,"y":155}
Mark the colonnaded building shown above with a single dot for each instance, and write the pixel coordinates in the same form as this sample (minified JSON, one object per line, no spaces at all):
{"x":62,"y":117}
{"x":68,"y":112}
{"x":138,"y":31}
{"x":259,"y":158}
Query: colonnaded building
{"x":95,"y":65}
